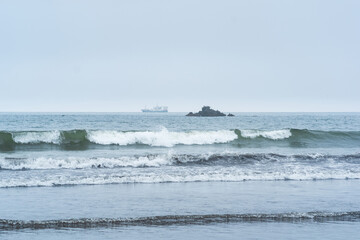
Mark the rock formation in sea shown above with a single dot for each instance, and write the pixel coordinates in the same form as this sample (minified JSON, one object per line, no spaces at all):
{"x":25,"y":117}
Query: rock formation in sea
{"x":206,"y":111}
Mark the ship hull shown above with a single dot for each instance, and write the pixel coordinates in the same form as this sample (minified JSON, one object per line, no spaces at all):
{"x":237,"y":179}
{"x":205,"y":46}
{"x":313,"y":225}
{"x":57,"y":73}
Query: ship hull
{"x":152,"y":111}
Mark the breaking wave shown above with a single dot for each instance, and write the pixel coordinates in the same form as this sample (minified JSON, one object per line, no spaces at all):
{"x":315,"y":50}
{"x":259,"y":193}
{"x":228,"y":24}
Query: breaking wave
{"x":161,"y":138}
{"x":36,"y":137}
{"x":274,"y":135}
{"x":176,"y":168}
{"x":226,"y":159}
{"x":168,"y":220}
{"x":183,"y":176}
{"x":165,"y":138}
{"x":83,"y":163}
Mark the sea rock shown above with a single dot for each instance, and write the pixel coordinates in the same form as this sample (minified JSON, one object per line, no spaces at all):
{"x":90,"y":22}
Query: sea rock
{"x":206,"y":111}
{"x":231,"y":115}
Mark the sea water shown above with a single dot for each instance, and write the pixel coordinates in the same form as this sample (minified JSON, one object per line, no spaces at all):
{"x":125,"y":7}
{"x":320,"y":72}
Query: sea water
{"x":164,"y":175}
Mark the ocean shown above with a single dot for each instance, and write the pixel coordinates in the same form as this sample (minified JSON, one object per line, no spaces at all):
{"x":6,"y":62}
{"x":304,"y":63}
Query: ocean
{"x":167,"y":176}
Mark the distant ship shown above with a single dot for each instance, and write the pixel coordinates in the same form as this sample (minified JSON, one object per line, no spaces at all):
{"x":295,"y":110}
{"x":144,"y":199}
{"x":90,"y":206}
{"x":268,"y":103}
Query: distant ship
{"x":155,"y":109}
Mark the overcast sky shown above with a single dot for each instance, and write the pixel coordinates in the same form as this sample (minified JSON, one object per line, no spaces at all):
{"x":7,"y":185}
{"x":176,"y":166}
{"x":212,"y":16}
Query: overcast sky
{"x":254,"y":55}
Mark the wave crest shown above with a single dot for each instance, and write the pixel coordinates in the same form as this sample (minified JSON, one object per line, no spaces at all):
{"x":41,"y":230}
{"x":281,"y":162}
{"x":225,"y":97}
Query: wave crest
{"x":161,"y":138}
{"x":274,"y":134}
{"x":81,"y":139}
{"x":37,"y":137}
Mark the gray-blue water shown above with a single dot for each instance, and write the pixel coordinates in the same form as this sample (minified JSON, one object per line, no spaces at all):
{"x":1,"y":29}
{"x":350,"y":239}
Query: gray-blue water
{"x":108,"y":176}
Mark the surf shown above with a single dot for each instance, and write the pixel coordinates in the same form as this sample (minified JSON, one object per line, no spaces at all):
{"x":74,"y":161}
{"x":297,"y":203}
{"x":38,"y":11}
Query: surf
{"x":82,"y":138}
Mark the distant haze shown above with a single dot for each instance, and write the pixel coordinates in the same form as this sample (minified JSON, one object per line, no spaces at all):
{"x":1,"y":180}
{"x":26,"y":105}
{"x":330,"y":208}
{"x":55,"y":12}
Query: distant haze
{"x":254,"y":55}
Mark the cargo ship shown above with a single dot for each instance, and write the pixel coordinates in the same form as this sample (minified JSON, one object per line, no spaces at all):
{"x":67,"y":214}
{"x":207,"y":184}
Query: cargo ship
{"x":155,"y":109}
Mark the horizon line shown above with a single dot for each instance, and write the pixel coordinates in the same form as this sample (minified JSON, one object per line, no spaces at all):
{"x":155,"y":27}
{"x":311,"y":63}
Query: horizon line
{"x":176,"y":112}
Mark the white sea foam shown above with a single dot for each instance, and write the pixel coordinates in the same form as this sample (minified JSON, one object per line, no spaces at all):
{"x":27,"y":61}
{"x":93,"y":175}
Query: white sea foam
{"x":37,"y":137}
{"x":274,"y":134}
{"x":51,"y":172}
{"x":84,"y":163}
{"x":161,"y":138}
{"x":188,"y":175}
{"x":263,"y":162}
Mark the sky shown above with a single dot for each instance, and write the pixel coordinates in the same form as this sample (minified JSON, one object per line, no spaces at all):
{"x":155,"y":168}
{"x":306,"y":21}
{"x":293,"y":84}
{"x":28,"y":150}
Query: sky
{"x":234,"y":55}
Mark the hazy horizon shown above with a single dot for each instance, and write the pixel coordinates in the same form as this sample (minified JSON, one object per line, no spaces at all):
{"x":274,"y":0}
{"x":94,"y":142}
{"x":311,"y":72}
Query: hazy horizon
{"x":235,"y":56}
{"x":157,"y":113}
